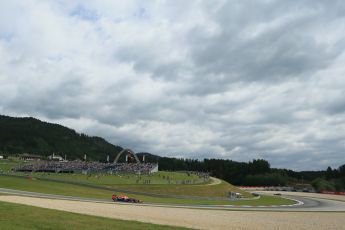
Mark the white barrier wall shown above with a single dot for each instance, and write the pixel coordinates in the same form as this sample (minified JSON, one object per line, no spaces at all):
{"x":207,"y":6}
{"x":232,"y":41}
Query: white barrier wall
{"x":155,"y":169}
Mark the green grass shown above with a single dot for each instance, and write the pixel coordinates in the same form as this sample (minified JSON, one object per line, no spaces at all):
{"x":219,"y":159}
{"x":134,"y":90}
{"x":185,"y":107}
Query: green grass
{"x":15,"y":216}
{"x":123,"y":179}
{"x":114,"y":181}
{"x":48,"y":187}
{"x":204,"y":190}
{"x":264,"y":200}
{"x":219,"y":190}
{"x":36,"y":185}
{"x":7,"y":164}
{"x":168,"y":183}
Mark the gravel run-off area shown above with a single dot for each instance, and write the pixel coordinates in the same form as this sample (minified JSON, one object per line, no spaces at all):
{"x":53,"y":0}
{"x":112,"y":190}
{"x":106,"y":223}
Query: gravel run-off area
{"x":193,"y":218}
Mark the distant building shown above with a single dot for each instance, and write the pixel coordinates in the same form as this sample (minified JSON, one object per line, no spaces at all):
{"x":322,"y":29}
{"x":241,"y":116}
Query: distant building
{"x":29,"y":157}
{"x":55,"y":157}
{"x":1,"y":157}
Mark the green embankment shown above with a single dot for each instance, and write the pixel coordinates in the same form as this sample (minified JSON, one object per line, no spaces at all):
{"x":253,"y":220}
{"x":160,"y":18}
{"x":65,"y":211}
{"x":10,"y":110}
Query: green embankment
{"x":41,"y":186}
{"x":160,"y":178}
{"x":23,"y":217}
{"x":167,"y":183}
{"x":219,"y":190}
{"x":156,"y":186}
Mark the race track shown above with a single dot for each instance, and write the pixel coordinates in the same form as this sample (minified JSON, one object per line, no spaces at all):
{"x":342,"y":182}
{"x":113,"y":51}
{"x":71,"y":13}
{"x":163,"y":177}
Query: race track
{"x":306,"y":204}
{"x":315,"y":213}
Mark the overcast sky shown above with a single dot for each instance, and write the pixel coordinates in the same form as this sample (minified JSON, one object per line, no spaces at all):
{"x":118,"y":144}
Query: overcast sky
{"x":196,"y":79}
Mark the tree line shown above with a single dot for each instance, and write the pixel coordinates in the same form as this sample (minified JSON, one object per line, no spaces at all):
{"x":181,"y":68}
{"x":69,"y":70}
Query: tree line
{"x":256,"y":172}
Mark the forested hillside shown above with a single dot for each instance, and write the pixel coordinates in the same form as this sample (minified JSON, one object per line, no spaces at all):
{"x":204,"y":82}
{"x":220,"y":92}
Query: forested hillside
{"x":30,"y":135}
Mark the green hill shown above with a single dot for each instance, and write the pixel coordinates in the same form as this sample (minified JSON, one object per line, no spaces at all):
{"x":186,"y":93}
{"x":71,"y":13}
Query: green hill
{"x":30,"y":135}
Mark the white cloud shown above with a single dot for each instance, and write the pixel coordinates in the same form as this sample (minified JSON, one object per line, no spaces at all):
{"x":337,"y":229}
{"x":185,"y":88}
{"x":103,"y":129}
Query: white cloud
{"x":192,"y":79}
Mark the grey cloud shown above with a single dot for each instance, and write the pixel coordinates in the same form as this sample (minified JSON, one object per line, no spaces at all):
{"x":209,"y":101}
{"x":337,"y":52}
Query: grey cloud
{"x":224,"y":80}
{"x":336,"y":106}
{"x":284,"y":51}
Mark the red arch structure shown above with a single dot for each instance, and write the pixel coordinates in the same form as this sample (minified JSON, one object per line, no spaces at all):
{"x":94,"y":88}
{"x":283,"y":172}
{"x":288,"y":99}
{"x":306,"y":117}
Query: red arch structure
{"x":126,"y":151}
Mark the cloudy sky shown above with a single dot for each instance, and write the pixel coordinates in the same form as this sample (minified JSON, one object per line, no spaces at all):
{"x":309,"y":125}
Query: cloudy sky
{"x":199,"y":79}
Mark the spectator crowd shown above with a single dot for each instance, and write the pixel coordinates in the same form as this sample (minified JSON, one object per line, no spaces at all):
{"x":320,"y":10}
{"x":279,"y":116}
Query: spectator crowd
{"x":86,"y":167}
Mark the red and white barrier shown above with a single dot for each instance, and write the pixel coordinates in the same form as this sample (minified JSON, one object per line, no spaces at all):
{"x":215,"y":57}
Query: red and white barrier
{"x":333,"y":193}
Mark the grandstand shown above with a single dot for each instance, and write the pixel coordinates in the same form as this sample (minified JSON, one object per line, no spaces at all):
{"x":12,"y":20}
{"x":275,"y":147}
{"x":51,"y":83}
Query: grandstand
{"x":78,"y":166}
{"x":86,"y":167}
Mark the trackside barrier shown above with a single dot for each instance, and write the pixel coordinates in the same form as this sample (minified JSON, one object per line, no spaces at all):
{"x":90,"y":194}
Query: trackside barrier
{"x":333,"y":193}
{"x":257,"y":188}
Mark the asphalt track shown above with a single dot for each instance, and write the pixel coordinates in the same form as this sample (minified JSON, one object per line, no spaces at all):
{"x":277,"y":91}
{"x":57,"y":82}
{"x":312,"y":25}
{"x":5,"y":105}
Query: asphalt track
{"x":304,"y":204}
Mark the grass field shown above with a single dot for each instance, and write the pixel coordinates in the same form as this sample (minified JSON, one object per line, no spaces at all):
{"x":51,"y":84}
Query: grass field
{"x":123,"y":182}
{"x":166,"y":183}
{"x":159,"y":178}
{"x":8,"y":164}
{"x":219,"y":190}
{"x":36,"y":185}
{"x":23,"y":217}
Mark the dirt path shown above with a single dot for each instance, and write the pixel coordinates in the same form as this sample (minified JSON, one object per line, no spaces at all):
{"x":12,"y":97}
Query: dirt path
{"x":215,"y":181}
{"x":201,"y":219}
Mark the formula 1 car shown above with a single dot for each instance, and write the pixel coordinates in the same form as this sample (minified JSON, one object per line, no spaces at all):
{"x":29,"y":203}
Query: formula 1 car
{"x":123,"y":198}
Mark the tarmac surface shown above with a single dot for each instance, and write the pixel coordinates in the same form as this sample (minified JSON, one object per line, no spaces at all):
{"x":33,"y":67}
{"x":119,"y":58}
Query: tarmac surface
{"x":304,"y":204}
{"x":192,"y":217}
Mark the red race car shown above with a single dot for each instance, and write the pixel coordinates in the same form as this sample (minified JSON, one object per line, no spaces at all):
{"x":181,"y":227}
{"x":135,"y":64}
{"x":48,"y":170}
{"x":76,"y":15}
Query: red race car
{"x":123,"y":198}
